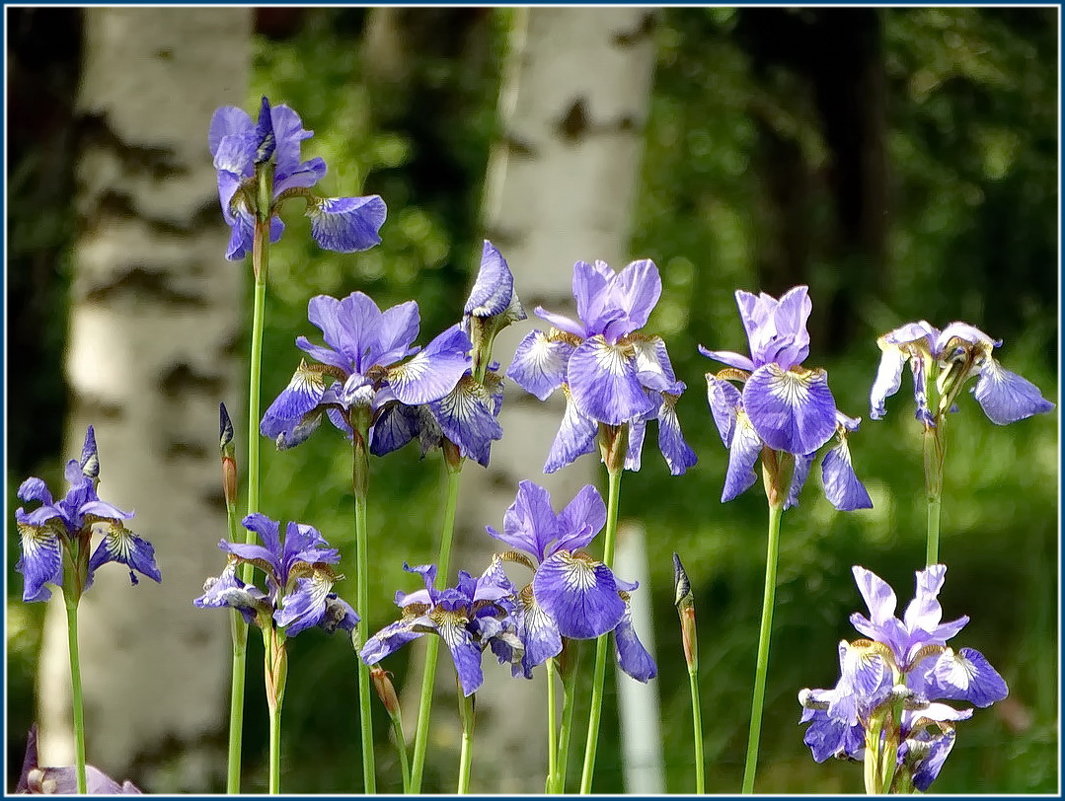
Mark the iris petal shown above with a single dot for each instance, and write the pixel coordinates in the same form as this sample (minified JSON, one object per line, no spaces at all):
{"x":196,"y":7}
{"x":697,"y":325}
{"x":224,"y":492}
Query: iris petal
{"x":888,"y":378}
{"x":679,"y":456}
{"x":40,"y":563}
{"x":302,"y":395}
{"x":493,"y":288}
{"x":580,"y":594}
{"x":968,"y":676}
{"x":388,"y":640}
{"x":798,"y":478}
{"x":539,"y":364}
{"x":465,"y":417}
{"x":123,"y":546}
{"x":576,"y":436}
{"x":602,"y":380}
{"x":744,"y":452}
{"x":631,"y":655}
{"x":725,"y":402}
{"x":792,"y":411}
{"x":347,"y":224}
{"x":1007,"y":397}
{"x":842,"y":487}
{"x":433,"y":372}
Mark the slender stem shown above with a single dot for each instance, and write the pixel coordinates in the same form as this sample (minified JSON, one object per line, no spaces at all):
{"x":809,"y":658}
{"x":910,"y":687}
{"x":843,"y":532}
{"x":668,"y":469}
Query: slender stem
{"x":552,"y":733}
{"x":75,"y":690}
{"x":934,"y":452}
{"x":763,"y":649}
{"x":466,"y":755}
{"x":275,"y":751}
{"x":401,"y":747}
{"x":601,"y":645}
{"x":239,"y":632}
{"x":360,"y":479}
{"x":432,"y":646}
{"x":697,"y":734}
{"x":260,"y":255}
{"x":569,"y":680}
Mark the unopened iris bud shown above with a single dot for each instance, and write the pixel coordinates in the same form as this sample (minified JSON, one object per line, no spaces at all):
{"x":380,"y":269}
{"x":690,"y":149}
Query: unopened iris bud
{"x":684,"y":600}
{"x":385,"y":690}
{"x":90,"y":459}
{"x":229,"y":463}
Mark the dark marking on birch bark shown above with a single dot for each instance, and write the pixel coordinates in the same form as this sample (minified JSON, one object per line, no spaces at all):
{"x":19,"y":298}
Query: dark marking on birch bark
{"x":637,"y":35}
{"x":519,"y":148}
{"x":113,"y":204}
{"x":144,"y":286}
{"x":90,"y":407}
{"x":574,"y":123}
{"x":159,"y":163}
{"x":182,"y":378}
{"x":503,"y":237}
{"x":185,"y":450}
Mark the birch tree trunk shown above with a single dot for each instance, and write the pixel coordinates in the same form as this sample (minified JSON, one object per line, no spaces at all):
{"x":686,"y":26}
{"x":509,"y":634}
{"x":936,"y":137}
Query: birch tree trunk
{"x":561,"y":187}
{"x":154,"y":325}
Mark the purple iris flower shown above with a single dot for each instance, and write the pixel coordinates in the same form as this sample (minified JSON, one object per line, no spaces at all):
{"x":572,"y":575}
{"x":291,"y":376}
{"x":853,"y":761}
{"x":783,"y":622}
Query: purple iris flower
{"x":782,"y":406}
{"x":470,"y":617}
{"x":299,"y":580}
{"x":36,"y":780}
{"x":241,"y":147}
{"x":907,"y":663}
{"x":609,"y":372}
{"x":467,"y":415}
{"x":945,"y":360}
{"x":364,"y":366}
{"x":571,"y":594}
{"x":56,"y":525}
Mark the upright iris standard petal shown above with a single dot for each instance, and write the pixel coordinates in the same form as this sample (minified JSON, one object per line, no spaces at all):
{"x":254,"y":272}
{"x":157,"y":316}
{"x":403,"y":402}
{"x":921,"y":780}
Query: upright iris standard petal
{"x":582,"y":519}
{"x":576,"y":437}
{"x":579,"y":593}
{"x":539,"y":364}
{"x":743,"y":453}
{"x":792,"y":411}
{"x":602,"y":380}
{"x":347,"y":224}
{"x":633,"y":292}
{"x":530,"y":523}
{"x":842,"y":487}
{"x":1007,"y":397}
{"x":631,"y":655}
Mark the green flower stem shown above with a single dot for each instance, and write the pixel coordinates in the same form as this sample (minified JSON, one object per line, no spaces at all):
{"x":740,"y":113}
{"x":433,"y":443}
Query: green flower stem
{"x":260,"y":257}
{"x":697,"y":722}
{"x":432,"y":645}
{"x":569,"y":680}
{"x":275,"y":675}
{"x":360,"y":484}
{"x":466,"y":755}
{"x":552,"y":733}
{"x":71,"y":601}
{"x":934,"y":453}
{"x":602,"y":644}
{"x":239,"y":631}
{"x":751,"y":765}
{"x":401,"y":747}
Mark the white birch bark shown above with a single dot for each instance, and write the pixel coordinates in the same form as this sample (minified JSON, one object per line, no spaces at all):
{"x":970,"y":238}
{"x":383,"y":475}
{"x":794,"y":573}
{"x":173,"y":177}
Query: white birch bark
{"x":154,"y":322}
{"x":560,"y":188}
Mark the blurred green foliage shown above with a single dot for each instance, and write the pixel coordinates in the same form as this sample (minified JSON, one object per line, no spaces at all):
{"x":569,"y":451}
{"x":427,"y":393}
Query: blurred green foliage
{"x":968,"y":130}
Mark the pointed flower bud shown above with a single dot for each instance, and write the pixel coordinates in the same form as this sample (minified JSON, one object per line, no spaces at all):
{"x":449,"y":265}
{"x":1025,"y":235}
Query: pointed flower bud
{"x":684,"y":600}
{"x":90,"y":459}
{"x":385,"y":691}
{"x":229,"y":463}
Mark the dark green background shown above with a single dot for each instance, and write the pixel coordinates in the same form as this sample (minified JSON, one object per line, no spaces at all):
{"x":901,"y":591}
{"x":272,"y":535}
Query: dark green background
{"x":759,"y":173}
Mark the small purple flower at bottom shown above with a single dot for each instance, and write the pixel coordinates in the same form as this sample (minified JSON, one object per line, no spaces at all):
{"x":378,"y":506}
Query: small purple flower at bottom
{"x":36,"y":780}
{"x":942,"y":362}
{"x":299,"y":580}
{"x":782,"y":406}
{"x":474,"y":615}
{"x":899,"y":677}
{"x":572,"y":594}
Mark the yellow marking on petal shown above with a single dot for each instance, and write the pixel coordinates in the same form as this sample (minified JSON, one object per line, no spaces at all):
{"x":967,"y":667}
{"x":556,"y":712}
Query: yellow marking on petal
{"x":579,"y":574}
